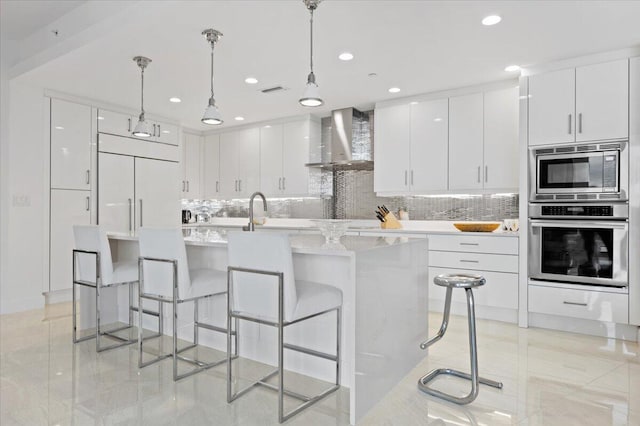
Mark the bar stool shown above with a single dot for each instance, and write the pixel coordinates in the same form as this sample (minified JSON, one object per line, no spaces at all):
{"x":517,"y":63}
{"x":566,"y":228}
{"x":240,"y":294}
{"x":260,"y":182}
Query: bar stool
{"x":262,"y":289}
{"x":165,"y":276}
{"x":93,"y":268}
{"x":467,"y":282}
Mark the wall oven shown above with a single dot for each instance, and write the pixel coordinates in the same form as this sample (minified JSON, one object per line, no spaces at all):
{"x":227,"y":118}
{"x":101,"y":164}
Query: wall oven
{"x":580,"y":172}
{"x":580,"y":244}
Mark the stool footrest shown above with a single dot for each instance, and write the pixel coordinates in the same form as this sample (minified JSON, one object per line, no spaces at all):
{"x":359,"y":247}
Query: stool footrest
{"x":424,"y":380}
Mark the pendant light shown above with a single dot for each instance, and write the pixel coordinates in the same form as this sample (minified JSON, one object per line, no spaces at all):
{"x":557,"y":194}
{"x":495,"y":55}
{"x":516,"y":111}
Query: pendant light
{"x":211,"y":113}
{"x":142,"y":129}
{"x":311,"y":95}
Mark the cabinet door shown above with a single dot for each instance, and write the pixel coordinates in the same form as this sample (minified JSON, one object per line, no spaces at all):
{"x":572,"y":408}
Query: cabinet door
{"x":70,"y":145}
{"x":167,"y":133}
{"x":68,"y":208}
{"x":157,"y":192}
{"x":115,"y":192}
{"x":391,"y":153}
{"x":501,"y":169}
{"x":229,"y":165}
{"x":211,"y":166}
{"x":248,"y":161}
{"x":465,"y":142}
{"x":295,"y":154}
{"x":192,"y":157}
{"x":271,"y":158}
{"x":551,"y":107}
{"x":602,"y":101}
{"x":115,"y":123}
{"x":429,"y":145}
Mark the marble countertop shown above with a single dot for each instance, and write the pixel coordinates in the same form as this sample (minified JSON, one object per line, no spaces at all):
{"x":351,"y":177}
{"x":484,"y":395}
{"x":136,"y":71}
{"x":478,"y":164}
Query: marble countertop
{"x":300,"y":244}
{"x":361,"y":226}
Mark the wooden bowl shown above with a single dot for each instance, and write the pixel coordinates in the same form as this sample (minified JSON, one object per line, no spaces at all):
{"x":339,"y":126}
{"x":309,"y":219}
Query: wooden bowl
{"x":477,"y":226}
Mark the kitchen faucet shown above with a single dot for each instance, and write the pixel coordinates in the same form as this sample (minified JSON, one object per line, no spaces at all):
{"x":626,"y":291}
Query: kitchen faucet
{"x":251,"y":226}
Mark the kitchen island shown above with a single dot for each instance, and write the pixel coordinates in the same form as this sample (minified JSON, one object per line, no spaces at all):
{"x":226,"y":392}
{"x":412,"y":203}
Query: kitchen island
{"x":384,"y":284}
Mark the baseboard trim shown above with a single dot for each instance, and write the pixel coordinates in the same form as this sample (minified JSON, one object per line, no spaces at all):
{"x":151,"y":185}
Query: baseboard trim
{"x":583,"y":326}
{"x":58,"y":296}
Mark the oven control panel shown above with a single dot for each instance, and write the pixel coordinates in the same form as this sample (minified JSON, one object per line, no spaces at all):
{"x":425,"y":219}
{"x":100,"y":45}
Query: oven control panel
{"x":606,"y":211}
{"x":579,"y":211}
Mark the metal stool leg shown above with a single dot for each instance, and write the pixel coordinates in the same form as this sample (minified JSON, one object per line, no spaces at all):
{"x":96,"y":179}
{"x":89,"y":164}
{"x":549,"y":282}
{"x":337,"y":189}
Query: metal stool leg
{"x":473,"y":377}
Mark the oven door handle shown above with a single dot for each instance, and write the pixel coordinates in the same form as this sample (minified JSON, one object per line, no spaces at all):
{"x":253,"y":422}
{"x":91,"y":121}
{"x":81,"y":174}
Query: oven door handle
{"x":537,"y":223}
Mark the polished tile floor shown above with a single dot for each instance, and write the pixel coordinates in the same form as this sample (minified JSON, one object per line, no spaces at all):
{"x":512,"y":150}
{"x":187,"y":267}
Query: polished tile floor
{"x":550,"y":378}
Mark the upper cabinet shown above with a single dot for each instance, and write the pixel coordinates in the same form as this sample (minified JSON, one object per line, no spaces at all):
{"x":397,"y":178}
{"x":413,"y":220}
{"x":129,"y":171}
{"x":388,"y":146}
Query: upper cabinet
{"x":582,"y":104}
{"x":284,"y":151}
{"x":120,"y":124}
{"x":466,"y":142}
{"x":501,"y":146}
{"x":428,"y":148}
{"x":211,"y":166}
{"x":70,"y":145}
{"x":392,"y":157}
{"x":191,"y":167}
{"x":239,"y":163}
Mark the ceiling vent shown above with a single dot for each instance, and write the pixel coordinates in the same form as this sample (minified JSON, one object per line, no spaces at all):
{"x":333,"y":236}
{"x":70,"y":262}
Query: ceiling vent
{"x":273,"y":89}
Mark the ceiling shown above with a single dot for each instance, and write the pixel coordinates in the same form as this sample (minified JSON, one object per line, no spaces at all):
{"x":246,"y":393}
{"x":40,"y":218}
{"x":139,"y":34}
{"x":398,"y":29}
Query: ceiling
{"x":21,"y":18}
{"x":418,"y":46}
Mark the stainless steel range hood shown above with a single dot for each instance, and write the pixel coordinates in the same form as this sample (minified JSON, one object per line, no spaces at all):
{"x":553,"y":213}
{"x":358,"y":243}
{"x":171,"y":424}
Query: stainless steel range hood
{"x":351,"y":142}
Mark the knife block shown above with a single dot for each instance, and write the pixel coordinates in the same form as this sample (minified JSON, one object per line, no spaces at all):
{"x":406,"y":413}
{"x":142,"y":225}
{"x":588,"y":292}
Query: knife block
{"x":391,"y":222}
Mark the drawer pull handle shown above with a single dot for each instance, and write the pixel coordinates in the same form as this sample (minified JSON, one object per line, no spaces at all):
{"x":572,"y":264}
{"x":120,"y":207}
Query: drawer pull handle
{"x":469,"y":261}
{"x":574,"y":303}
{"x":469,"y":244}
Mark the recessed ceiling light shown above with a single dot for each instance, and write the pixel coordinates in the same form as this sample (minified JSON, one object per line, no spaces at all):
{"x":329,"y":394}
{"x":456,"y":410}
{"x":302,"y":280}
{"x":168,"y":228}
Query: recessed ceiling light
{"x":268,"y":126}
{"x":251,"y":80}
{"x":238,"y":118}
{"x":345,"y":56}
{"x":175,"y":100}
{"x":166,"y":132}
{"x":394,"y":90}
{"x":512,"y":68}
{"x":437,"y":119}
{"x":413,"y":103}
{"x":59,"y":128}
{"x":491,"y":20}
{"x":100,"y":117}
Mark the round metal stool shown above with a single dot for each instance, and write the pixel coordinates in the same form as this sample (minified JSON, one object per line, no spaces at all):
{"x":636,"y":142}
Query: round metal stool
{"x":468,"y":282}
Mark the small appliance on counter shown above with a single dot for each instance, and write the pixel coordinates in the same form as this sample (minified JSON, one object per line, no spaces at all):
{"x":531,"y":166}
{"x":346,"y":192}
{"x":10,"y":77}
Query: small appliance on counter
{"x":186,"y":216}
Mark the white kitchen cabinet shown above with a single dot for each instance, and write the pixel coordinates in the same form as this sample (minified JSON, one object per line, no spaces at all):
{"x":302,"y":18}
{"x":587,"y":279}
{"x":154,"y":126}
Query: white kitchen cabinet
{"x":191,"y":166}
{"x":552,"y":107}
{"x":116,"y":196}
{"x":134,"y":192}
{"x":157,"y":193}
{"x":579,"y":104}
{"x":271,"y":159}
{"x":166,"y":133}
{"x":602,"y":101}
{"x":495,"y":258}
{"x":429,"y":146}
{"x":284,"y":151}
{"x":248,"y":161}
{"x":501,"y":149}
{"x":115,"y":123}
{"x":70,"y":145}
{"x":392,"y":149}
{"x":466,"y":142}
{"x":229,"y":165}
{"x":211,"y":167}
{"x":68,"y":208}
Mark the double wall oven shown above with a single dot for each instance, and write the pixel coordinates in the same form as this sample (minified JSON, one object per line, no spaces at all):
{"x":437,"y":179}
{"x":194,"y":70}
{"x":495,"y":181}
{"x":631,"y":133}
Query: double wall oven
{"x":579,"y":214}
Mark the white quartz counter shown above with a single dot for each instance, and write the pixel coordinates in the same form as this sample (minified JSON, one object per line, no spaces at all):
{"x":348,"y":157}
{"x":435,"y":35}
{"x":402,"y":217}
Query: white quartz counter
{"x":357,"y":227}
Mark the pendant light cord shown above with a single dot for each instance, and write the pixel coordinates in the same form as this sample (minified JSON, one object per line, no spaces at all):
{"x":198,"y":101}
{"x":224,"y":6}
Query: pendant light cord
{"x":212,"y":45}
{"x":311,"y":38}
{"x":142,"y":93}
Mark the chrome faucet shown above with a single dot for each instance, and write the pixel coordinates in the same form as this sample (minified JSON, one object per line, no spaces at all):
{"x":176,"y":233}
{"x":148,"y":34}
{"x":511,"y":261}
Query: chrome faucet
{"x":251,"y":226}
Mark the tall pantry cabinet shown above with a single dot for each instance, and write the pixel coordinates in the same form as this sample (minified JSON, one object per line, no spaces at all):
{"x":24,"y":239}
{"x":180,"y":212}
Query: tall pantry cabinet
{"x":70,"y":136}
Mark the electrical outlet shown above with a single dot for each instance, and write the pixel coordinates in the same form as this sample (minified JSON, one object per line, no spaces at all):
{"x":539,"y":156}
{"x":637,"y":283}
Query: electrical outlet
{"x":21,"y":200}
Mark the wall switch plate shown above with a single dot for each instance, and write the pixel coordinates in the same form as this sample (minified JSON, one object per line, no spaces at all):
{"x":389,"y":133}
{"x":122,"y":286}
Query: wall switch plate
{"x":21,"y":200}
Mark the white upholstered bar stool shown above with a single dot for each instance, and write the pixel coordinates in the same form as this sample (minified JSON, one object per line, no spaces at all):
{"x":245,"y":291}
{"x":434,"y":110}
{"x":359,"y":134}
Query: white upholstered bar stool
{"x":93,"y":268}
{"x":165,"y":277}
{"x":262,"y":288}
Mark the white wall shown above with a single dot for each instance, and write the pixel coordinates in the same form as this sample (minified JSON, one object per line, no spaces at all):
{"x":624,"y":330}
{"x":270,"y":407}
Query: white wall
{"x":23,"y":198}
{"x":6,"y":59}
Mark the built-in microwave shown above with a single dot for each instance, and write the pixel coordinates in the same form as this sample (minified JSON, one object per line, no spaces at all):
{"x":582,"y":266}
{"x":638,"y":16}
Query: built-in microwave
{"x":579,"y":172}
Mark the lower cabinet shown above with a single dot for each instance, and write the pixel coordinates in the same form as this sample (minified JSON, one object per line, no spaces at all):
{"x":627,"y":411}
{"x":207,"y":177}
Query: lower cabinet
{"x":68,"y":207}
{"x":495,"y":258}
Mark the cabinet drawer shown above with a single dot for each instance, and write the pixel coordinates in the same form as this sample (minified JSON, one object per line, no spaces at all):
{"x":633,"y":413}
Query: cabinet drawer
{"x":593,"y":305}
{"x":479,"y":261}
{"x":474,"y":243}
{"x":500,"y":291}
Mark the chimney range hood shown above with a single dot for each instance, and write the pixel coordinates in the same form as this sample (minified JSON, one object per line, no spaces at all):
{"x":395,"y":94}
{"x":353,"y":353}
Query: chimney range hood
{"x":351,"y":142}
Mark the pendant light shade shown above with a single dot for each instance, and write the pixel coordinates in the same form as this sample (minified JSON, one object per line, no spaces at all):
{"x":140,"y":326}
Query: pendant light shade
{"x":311,"y":96}
{"x":212,"y":113}
{"x":142,"y":129}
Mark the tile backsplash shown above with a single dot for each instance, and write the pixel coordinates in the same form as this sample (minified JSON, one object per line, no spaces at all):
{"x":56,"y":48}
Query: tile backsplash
{"x":349,"y":195}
